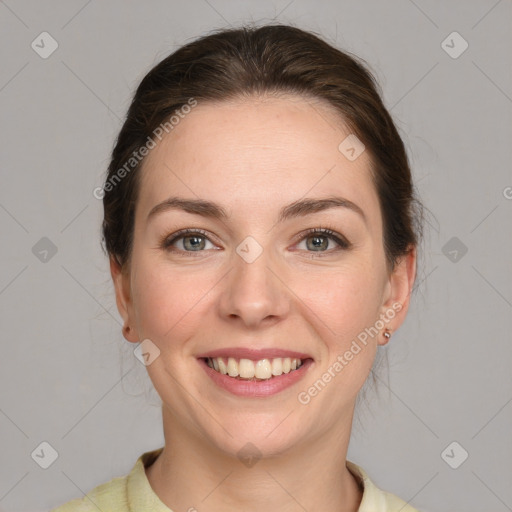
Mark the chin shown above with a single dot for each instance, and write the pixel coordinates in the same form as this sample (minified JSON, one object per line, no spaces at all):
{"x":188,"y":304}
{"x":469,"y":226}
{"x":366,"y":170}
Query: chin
{"x":253,"y":436}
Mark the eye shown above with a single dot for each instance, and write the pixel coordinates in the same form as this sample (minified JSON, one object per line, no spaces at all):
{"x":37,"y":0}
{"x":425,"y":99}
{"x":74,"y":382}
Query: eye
{"x":187,"y":240}
{"x":318,"y":240}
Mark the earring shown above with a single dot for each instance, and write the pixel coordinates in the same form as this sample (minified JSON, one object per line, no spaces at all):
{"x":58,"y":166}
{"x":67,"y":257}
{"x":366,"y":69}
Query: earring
{"x":387,"y":334}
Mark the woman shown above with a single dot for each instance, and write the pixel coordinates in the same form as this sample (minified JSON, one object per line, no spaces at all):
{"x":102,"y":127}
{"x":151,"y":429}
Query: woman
{"x":262,"y":228}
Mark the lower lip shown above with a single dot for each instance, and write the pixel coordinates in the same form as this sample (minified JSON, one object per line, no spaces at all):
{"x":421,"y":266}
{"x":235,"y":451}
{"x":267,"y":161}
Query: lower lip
{"x":252,"y":388}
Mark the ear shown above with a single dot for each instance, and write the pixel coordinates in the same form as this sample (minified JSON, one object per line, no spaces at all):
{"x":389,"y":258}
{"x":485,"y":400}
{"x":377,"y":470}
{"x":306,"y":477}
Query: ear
{"x":121,"y":280}
{"x":398,"y":293}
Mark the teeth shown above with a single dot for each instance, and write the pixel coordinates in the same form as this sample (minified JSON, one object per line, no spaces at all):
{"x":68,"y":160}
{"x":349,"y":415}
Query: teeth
{"x":263,"y":369}
{"x":222,"y":365}
{"x":277,"y":366}
{"x":248,"y":369}
{"x":232,"y":367}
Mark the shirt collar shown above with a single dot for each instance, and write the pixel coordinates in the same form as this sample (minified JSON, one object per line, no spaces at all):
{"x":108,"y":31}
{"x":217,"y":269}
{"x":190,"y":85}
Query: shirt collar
{"x":141,"y":497}
{"x":139,"y":493}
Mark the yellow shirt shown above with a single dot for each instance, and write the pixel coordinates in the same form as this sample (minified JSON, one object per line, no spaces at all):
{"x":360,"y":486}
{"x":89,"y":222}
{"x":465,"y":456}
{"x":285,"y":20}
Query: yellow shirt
{"x":133,"y":493}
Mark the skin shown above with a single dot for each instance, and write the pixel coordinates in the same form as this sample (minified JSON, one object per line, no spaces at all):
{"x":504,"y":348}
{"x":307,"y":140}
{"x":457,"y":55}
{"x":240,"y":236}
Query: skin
{"x":253,"y":156}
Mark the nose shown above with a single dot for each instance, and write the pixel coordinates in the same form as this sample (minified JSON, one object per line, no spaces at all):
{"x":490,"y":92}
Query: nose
{"x":254,"y":293}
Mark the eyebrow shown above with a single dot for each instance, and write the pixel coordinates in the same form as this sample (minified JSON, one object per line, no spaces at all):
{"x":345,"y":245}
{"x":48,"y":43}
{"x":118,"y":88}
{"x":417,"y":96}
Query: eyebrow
{"x":299,"y":208}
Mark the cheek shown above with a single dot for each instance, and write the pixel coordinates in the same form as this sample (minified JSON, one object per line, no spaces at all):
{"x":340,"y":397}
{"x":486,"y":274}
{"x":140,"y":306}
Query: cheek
{"x":168,"y":302}
{"x":345,"y":301}
{"x":342,"y":307}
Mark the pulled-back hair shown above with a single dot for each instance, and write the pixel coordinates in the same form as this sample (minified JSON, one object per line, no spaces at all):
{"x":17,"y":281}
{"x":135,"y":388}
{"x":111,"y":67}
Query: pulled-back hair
{"x":272,"y":59}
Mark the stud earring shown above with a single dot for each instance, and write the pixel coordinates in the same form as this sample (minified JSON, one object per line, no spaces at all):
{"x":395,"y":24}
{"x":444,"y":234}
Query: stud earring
{"x":387,"y":334}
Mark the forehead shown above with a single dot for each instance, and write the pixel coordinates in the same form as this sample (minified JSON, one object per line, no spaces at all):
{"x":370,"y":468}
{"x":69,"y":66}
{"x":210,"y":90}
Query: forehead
{"x":252,"y":153}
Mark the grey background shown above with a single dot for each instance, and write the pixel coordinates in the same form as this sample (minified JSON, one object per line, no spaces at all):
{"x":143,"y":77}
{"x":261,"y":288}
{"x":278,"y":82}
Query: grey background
{"x":68,"y":377}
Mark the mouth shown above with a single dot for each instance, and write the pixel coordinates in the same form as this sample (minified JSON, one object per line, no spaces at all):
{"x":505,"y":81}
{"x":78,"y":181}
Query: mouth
{"x":255,"y":373}
{"x":254,"y":370}
{"x":254,"y":364}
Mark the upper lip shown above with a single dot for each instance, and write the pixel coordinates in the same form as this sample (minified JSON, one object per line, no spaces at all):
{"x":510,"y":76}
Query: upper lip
{"x":254,"y":354}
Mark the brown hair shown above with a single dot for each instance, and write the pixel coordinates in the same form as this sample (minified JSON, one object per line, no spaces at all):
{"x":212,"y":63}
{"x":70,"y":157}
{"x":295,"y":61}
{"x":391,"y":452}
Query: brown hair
{"x":270,"y":59}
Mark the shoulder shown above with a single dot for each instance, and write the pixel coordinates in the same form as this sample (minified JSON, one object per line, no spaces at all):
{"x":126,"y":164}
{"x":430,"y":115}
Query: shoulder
{"x":108,"y":496}
{"x":375,"y":499}
{"x":122,"y":493}
{"x":394,"y":503}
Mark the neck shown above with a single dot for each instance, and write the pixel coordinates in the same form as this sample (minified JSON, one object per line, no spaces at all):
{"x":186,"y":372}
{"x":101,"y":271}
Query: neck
{"x":189,"y":474}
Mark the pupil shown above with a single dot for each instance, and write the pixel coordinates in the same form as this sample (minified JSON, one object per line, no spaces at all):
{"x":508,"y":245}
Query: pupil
{"x":319,"y":242}
{"x":194,"y":242}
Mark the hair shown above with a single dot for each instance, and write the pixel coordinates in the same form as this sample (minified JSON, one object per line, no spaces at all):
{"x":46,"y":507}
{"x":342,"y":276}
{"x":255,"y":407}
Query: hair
{"x":248,"y":61}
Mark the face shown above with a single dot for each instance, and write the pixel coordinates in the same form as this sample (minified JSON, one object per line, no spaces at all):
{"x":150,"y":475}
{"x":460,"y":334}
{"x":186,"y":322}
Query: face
{"x":257,"y":276}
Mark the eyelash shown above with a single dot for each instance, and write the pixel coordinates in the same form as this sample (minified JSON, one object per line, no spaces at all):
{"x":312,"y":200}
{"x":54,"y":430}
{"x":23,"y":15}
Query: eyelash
{"x":166,"y":241}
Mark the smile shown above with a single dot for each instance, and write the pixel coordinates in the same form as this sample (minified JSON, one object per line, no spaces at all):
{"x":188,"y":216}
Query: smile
{"x":247,"y":369}
{"x":253,"y":378}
